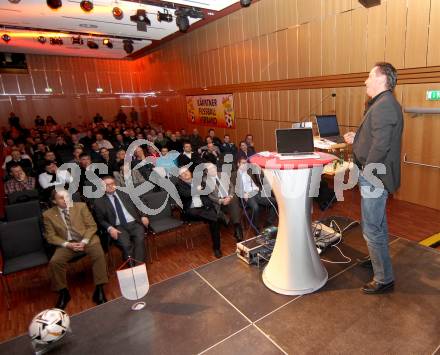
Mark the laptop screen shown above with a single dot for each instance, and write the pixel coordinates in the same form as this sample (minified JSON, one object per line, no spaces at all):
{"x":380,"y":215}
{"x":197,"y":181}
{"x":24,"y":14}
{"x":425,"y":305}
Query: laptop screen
{"x":294,"y":140}
{"x":327,"y":125}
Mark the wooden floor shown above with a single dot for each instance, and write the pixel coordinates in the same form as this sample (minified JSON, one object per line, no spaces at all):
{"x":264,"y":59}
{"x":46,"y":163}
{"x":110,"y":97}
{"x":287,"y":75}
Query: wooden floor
{"x":31,"y":289}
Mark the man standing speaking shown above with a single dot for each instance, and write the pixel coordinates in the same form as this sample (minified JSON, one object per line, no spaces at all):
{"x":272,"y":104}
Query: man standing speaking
{"x":378,"y":141}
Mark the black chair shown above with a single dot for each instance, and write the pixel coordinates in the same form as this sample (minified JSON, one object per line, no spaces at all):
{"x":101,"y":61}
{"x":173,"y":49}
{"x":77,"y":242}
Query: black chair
{"x":23,"y":210}
{"x":21,"y":247}
{"x":163,"y":221}
{"x":22,"y":196}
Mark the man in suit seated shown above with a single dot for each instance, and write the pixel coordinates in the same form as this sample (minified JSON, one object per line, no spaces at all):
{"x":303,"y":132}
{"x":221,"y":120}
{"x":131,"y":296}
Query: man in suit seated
{"x":198,"y":207}
{"x":118,"y":215}
{"x":71,"y":228}
{"x":188,"y":157}
{"x":224,"y":198}
{"x":253,"y":195}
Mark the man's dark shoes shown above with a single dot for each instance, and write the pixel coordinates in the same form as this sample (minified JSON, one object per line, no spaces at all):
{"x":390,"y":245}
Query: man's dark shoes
{"x":366,"y":264}
{"x":238,"y":234}
{"x":98,"y":295}
{"x":373,"y":287}
{"x":218,"y":253}
{"x":63,"y":298}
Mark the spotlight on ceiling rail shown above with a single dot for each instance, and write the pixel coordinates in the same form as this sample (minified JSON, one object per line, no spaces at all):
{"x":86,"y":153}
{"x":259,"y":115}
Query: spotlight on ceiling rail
{"x":141,"y":19}
{"x":6,"y":38}
{"x":245,"y":3}
{"x":164,"y":16}
{"x":117,"y":12}
{"x":86,"y":5}
{"x":106,"y":42}
{"x":56,"y":41}
{"x":92,"y":44}
{"x":128,"y":46}
{"x":41,"y":39}
{"x":54,"y":4}
{"x":77,"y":40}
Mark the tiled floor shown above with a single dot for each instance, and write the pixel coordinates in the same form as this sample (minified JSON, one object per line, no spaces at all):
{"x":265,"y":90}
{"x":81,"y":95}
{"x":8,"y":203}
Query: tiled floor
{"x":224,"y":308}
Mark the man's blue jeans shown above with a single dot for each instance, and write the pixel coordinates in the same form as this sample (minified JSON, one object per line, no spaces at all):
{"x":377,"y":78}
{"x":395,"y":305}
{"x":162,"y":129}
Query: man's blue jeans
{"x":375,"y":229}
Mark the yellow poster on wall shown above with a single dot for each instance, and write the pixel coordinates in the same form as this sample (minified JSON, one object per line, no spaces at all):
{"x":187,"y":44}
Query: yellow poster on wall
{"x":211,"y":110}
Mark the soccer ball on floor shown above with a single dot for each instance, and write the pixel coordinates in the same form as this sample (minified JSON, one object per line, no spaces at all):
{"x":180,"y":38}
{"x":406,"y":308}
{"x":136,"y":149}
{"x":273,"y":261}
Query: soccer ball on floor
{"x":49,"y":326}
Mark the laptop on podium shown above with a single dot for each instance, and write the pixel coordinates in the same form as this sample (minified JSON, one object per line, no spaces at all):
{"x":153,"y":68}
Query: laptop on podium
{"x":295,"y":143}
{"x":328,"y":128}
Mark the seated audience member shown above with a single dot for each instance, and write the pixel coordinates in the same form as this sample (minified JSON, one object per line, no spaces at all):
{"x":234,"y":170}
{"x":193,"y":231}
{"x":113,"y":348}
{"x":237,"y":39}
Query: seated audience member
{"x":208,"y":140}
{"x":48,"y":156}
{"x":70,"y":227}
{"x":108,"y":160}
{"x":119,"y":142}
{"x":174,"y":144}
{"x":87,"y":140}
{"x":98,"y":118}
{"x":250,"y":190}
{"x":17,"y":157}
{"x":224,"y":198}
{"x":217,"y":141}
{"x":142,"y":163}
{"x":77,"y":151}
{"x":198,"y":207}
{"x":95,"y":153}
{"x":125,"y":172}
{"x":167,"y":161}
{"x":62,"y":150}
{"x":249,"y":140}
{"x":160,"y":141}
{"x":39,"y":121}
{"x":119,"y":159}
{"x":188,"y":157}
{"x":39,"y":153}
{"x":52,"y":177}
{"x":228,"y":147}
{"x":19,"y":180}
{"x":118,"y":215}
{"x":85,"y":164}
{"x":103,"y":143}
{"x":211,"y":154}
{"x":196,"y":140}
{"x":244,"y":152}
{"x":183,"y":135}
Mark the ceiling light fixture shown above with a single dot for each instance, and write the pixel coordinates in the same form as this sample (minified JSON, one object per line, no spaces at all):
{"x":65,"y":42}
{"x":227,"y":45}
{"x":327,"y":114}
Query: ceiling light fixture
{"x":41,"y":39}
{"x":77,"y":40}
{"x":128,"y":46}
{"x":245,"y":3}
{"x":107,"y":42}
{"x":54,"y":41}
{"x":164,"y":16}
{"x":141,"y":19}
{"x":54,"y":4}
{"x":92,"y":44}
{"x":86,"y":5}
{"x":182,"y":17}
{"x":6,"y":37}
{"x":117,"y":12}
{"x":14,"y":1}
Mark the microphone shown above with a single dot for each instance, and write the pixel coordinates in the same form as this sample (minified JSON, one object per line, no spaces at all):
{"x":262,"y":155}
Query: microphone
{"x":333,"y":94}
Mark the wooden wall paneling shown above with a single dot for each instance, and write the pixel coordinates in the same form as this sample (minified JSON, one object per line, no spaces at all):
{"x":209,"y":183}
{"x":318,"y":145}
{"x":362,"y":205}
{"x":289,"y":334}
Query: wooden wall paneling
{"x":286,"y":14}
{"x":283,"y":104}
{"x":328,"y":103}
{"x":251,"y":104}
{"x":292,"y":52}
{"x":264,"y":57}
{"x":342,"y":101}
{"x":356,"y":106}
{"x":304,"y":50}
{"x":256,"y":129}
{"x":272,"y":59}
{"x":315,"y":48}
{"x":242,"y":128}
{"x":92,"y":82}
{"x":231,"y":67}
{"x":248,"y":61}
{"x":216,"y":66}
{"x":274,"y":105}
{"x":115,"y":82}
{"x":5,"y":108}
{"x":256,"y":59}
{"x":267,"y":14}
{"x":343,"y":37}
{"x":227,"y":74}
{"x":331,"y":7}
{"x":282,"y":56}
{"x":303,"y":104}
{"x":39,"y":81}
{"x":250,"y":22}
{"x":293,"y":105}
{"x":222,"y":32}
{"x":358,"y":40}
{"x":235,"y":23}
{"x":308,"y":10}
{"x":328,"y":45}
{"x":417,"y":33}
{"x":376,"y":34}
{"x":315,"y":103}
{"x":395,"y":32}
{"x":434,"y":28}
{"x":269,"y":128}
{"x":10,"y":83}
{"x":25,"y":84}
{"x":262,"y":105}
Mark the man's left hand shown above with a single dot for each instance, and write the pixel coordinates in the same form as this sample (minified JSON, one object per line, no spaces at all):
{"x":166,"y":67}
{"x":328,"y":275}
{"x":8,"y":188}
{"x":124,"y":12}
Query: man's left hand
{"x":145,"y":221}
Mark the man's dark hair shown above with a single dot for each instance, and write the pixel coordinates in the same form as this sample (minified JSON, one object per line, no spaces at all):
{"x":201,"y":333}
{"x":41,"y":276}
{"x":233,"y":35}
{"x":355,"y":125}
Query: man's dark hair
{"x":211,"y":129}
{"x":390,"y":72}
{"x":186,"y":142}
{"x":14,"y":165}
{"x":84,"y":155}
{"x":107,"y":177}
{"x":226,"y":135}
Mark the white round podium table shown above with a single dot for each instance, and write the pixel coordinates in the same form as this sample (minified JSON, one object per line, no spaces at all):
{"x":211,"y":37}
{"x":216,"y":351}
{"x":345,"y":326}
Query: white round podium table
{"x":294,"y":267}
